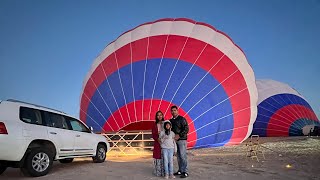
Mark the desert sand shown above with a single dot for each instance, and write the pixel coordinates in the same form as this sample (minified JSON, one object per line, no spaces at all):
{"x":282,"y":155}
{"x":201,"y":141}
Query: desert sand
{"x":286,"y":158}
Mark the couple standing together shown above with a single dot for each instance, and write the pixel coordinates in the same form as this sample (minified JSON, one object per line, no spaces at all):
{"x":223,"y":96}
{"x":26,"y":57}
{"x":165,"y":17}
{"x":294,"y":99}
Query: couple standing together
{"x":170,"y":137}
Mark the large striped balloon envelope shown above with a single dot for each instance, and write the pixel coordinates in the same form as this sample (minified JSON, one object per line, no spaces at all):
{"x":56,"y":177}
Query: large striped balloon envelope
{"x":282,"y":111}
{"x":172,"y":62}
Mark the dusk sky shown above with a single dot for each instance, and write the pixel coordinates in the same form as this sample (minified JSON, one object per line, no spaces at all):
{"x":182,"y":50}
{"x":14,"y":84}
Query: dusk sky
{"x":47,"y":47}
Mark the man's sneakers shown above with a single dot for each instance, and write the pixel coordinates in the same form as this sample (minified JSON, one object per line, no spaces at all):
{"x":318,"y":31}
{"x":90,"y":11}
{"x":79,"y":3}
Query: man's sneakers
{"x":184,"y":175}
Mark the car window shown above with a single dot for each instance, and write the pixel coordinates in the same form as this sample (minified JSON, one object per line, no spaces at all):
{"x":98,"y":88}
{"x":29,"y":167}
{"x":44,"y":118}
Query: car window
{"x":78,"y":126}
{"x":31,"y":116}
{"x":58,"y":121}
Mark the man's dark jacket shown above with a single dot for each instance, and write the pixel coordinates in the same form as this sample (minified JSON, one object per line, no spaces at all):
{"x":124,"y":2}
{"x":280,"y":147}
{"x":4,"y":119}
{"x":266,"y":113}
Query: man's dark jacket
{"x":180,"y":126}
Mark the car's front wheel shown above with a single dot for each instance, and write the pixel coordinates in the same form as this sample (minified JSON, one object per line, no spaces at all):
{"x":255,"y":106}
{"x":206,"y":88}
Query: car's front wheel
{"x":68,"y":160}
{"x":2,"y":169}
{"x":38,"y":162}
{"x":100,"y":154}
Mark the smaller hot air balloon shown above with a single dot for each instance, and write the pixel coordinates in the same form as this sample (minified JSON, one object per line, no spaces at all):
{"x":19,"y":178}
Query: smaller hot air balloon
{"x":282,"y":111}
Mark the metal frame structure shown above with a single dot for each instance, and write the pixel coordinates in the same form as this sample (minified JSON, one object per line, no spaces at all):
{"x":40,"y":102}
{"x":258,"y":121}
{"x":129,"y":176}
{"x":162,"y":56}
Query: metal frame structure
{"x":125,"y":143}
{"x":254,"y":148}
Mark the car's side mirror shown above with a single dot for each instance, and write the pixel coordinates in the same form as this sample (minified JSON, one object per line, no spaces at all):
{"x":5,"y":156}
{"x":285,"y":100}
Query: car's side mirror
{"x":91,"y":128}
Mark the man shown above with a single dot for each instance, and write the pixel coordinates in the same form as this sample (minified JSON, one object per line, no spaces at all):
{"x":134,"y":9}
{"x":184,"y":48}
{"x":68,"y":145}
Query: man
{"x":181,"y":128}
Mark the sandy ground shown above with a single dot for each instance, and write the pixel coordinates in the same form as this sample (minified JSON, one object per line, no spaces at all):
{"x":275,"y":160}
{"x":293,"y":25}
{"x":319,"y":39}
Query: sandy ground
{"x":301,"y":153}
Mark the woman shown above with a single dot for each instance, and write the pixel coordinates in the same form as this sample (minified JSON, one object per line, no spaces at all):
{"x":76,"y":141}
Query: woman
{"x":157,"y":158}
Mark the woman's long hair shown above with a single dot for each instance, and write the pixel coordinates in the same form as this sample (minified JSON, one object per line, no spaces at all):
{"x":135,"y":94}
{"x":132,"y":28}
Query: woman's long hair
{"x":157,"y":120}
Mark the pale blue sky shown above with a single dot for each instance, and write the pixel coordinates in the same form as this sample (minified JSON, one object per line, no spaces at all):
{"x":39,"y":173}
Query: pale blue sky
{"x":47,"y":47}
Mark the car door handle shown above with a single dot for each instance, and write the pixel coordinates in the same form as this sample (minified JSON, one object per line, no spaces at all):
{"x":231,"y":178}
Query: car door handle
{"x":53,"y":133}
{"x":78,"y":135}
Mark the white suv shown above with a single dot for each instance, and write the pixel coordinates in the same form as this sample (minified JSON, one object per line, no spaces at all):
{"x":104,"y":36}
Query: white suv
{"x":33,"y":136}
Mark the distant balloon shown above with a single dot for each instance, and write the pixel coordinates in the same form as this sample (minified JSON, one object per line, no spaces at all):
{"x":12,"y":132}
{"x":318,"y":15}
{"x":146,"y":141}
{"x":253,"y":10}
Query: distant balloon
{"x":282,"y":111}
{"x":172,"y":62}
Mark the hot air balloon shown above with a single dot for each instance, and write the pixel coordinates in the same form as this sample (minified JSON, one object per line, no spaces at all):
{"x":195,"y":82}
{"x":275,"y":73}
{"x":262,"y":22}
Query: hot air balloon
{"x":282,"y":111}
{"x":172,"y":62}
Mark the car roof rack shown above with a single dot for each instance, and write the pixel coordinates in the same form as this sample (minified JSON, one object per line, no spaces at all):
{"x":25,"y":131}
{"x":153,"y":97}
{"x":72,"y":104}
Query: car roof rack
{"x":14,"y":100}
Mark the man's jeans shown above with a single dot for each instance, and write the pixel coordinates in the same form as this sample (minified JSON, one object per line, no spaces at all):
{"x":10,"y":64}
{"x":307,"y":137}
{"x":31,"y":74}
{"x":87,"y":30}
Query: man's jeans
{"x":182,"y":155}
{"x":168,"y":161}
